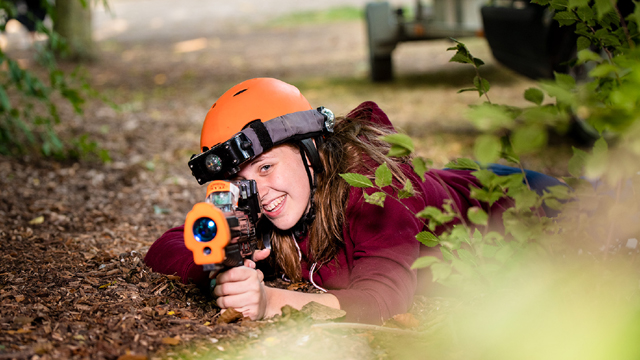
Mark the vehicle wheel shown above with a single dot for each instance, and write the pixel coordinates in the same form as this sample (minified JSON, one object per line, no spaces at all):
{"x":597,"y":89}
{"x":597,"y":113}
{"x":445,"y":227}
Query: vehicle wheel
{"x":381,"y":68}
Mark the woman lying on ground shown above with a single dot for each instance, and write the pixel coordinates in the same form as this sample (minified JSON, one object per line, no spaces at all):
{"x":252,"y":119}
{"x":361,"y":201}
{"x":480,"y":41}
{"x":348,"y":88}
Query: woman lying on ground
{"x":323,"y":231}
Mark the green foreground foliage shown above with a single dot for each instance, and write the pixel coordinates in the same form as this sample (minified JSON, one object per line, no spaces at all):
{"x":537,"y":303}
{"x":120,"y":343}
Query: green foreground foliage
{"x":546,"y":288}
{"x":30,"y":98}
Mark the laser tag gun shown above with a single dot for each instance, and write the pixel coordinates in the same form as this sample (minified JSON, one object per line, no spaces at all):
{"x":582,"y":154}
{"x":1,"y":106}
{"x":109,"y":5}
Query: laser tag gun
{"x":221,"y":231}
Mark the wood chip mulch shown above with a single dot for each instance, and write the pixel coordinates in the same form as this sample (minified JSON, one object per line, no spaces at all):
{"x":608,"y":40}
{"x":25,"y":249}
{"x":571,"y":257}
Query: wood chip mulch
{"x":73,"y":284}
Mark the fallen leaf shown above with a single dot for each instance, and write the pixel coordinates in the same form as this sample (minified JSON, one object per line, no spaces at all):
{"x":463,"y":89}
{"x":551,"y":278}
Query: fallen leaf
{"x":22,"y":320}
{"x":36,"y":221}
{"x":107,"y":285}
{"x":132,"y":357}
{"x":321,"y":312}
{"x":406,"y":320}
{"x":19,"y":298}
{"x":171,"y":341}
{"x":229,"y":316}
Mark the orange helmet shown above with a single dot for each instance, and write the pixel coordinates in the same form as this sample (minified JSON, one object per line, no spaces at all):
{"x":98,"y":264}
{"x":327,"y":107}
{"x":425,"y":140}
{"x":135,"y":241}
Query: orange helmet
{"x":252,"y":117}
{"x":255,"y":99}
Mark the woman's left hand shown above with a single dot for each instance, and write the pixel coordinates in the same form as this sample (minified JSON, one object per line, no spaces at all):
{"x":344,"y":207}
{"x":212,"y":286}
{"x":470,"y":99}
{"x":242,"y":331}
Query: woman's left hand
{"x":243,"y":289}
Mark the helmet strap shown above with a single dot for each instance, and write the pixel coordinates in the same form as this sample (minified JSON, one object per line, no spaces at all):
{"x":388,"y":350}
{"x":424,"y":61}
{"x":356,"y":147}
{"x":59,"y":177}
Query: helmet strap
{"x":301,"y":228}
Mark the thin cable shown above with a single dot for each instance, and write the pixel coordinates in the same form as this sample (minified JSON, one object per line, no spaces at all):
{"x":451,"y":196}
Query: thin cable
{"x":313,"y":268}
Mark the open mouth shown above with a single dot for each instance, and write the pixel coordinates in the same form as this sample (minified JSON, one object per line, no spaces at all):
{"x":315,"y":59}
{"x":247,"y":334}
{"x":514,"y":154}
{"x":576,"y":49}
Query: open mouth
{"x":274,"y":205}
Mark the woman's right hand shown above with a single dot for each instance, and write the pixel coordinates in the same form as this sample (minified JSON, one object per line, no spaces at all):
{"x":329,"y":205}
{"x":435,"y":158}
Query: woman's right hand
{"x":243,"y":289}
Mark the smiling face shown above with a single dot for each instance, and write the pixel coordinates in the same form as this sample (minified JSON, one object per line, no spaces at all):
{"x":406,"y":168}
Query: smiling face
{"x":283,"y":184}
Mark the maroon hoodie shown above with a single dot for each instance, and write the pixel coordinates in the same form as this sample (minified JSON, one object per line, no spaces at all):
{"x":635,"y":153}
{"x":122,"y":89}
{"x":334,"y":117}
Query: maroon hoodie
{"x":371,"y":276}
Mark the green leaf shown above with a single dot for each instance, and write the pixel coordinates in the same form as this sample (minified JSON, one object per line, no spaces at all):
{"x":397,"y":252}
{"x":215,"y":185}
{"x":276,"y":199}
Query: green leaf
{"x":419,"y":166}
{"x":467,"y":90}
{"x":383,"y":176}
{"x":477,"y":216}
{"x":377,"y":198}
{"x":561,"y":192}
{"x":603,"y":70}
{"x":525,"y":199}
{"x":565,"y":18}
{"x":482,"y":85}
{"x":440,"y":271}
{"x":596,"y":164}
{"x":407,"y":191}
{"x":463,"y":268}
{"x":554,"y":204}
{"x":401,"y":140}
{"x":565,"y":81}
{"x":4,"y":101}
{"x":487,"y":148}
{"x":529,"y":139}
{"x":427,"y":238}
{"x":425,"y":261}
{"x":534,"y":95}
{"x":576,"y":163}
{"x":467,"y":257}
{"x":357,"y":180}
{"x":489,"y":117}
{"x":460,"y":57}
{"x":463,"y":164}
{"x":577,"y":3}
{"x":488,"y":251}
{"x":588,"y":55}
{"x":583,"y":43}
{"x":446,"y":253}
{"x":398,"y":151}
{"x":603,"y":7}
{"x":586,"y":14}
{"x":505,"y":253}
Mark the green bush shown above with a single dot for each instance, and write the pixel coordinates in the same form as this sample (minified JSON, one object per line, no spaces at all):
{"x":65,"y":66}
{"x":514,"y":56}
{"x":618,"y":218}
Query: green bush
{"x":546,"y":288}
{"x":30,"y":99}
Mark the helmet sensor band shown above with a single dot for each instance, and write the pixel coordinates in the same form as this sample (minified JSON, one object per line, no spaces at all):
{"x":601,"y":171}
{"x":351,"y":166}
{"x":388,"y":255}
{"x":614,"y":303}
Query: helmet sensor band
{"x":223,"y":160}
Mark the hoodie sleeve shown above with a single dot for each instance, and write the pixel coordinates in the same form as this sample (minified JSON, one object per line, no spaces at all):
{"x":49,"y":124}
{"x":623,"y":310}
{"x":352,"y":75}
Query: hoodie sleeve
{"x":168,"y":255}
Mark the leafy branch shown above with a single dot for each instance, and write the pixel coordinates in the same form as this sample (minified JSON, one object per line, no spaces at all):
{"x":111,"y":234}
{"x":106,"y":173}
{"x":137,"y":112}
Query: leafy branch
{"x":29,"y":109}
{"x":463,"y":55}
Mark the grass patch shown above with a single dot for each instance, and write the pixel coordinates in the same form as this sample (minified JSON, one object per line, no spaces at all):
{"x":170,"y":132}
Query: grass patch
{"x":337,"y":14}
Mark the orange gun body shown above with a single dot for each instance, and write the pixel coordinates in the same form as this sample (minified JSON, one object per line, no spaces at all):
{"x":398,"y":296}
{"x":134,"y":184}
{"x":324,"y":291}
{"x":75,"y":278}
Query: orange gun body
{"x":212,"y":231}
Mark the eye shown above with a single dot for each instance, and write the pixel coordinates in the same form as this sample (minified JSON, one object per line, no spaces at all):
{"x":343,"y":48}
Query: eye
{"x":265,"y":168}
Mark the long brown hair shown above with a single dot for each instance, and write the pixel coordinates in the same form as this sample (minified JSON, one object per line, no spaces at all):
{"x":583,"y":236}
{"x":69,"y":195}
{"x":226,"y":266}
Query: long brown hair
{"x":353,"y":140}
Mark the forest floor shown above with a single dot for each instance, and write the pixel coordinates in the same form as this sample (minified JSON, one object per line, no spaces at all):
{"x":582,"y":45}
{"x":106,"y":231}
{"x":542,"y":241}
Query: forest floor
{"x":73,"y":234}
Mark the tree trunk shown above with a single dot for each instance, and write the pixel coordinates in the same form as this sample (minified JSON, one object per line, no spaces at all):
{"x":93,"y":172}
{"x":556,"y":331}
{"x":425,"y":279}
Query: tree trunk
{"x":73,"y":22}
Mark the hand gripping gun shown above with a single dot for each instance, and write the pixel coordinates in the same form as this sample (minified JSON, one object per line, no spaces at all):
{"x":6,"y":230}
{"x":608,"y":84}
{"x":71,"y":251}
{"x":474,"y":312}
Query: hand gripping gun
{"x":221,"y":231}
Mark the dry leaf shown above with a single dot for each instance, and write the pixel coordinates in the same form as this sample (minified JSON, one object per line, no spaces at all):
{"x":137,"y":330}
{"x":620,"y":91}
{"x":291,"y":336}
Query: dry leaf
{"x":321,"y":312}
{"x":132,"y":357}
{"x":229,"y":316}
{"x":171,"y":340}
{"x":406,"y":320}
{"x":36,"y":221}
{"x":19,"y":298}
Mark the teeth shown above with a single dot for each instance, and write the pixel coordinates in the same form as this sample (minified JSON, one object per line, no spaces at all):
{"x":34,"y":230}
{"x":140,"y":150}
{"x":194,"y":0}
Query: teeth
{"x":272,"y":205}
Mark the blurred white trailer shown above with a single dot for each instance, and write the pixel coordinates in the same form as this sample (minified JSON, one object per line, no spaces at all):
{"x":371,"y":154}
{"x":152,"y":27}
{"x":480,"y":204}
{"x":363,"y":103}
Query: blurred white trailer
{"x":434,"y":19}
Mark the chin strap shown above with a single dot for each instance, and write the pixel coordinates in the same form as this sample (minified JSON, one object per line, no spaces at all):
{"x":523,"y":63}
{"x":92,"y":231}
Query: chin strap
{"x":307,"y":147}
